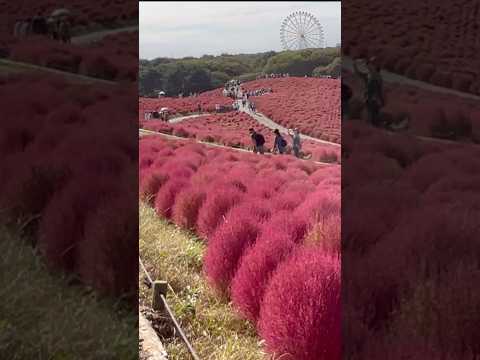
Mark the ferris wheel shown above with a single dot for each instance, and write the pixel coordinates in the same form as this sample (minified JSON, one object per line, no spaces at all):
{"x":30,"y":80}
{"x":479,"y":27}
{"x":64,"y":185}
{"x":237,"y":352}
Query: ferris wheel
{"x":301,"y":30}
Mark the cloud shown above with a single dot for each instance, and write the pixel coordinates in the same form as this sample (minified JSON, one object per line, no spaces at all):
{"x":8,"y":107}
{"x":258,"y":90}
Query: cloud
{"x":178,"y":29}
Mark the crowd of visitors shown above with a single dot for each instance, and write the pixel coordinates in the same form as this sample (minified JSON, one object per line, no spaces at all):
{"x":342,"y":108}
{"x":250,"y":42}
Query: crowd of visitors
{"x":280,"y":145}
{"x":272,"y":76}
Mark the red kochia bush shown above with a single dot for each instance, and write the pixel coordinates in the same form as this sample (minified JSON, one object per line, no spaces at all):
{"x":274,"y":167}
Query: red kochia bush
{"x":216,"y":205}
{"x":300,"y":315}
{"x":106,"y":256}
{"x":62,"y":224}
{"x":225,"y":249}
{"x":165,"y":198}
{"x":255,"y":270}
{"x":187,"y":205}
{"x":150,"y":183}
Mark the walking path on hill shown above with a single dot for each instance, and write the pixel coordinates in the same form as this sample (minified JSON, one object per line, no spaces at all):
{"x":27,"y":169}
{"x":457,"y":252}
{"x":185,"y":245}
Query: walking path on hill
{"x":178,"y":119}
{"x":347,"y":63}
{"x":143,"y":132}
{"x":260,"y":118}
{"x":18,"y":66}
{"x":98,"y":35}
{"x":264,"y":120}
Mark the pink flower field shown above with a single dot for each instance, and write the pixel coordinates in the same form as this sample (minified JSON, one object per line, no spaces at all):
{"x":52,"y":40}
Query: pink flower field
{"x":311,"y":104}
{"x":261,"y":217}
{"x":185,"y":105}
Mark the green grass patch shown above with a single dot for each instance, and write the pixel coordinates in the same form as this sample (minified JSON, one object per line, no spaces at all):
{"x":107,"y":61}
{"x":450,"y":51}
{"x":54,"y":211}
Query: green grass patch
{"x":43,"y":316}
{"x":210,"y":322}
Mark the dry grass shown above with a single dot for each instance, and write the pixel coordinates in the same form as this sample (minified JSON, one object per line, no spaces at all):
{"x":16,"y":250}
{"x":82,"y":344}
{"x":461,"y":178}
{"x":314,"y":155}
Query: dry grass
{"x":43,"y":316}
{"x":211,"y":324}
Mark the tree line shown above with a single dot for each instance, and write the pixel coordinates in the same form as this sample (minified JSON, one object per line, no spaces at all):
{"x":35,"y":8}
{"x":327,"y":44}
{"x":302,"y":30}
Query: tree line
{"x":191,"y":75}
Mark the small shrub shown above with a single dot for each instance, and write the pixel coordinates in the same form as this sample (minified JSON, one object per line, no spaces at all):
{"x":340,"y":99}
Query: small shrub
{"x":305,"y":321}
{"x":187,"y":206}
{"x":255,"y":270}
{"x":225,"y":248}
{"x":165,"y":198}
{"x":215,"y":208}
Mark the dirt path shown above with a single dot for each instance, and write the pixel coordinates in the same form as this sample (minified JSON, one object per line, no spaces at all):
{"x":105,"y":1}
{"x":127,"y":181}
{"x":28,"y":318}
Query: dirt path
{"x":260,"y":118}
{"x":143,"y":132}
{"x":17,"y":66}
{"x":187,"y":117}
{"x":98,"y":35}
{"x":347,"y":63}
{"x":151,"y":346}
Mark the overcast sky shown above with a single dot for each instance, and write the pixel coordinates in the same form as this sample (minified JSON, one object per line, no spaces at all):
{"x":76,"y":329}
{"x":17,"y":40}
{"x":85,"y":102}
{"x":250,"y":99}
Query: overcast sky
{"x":179,"y":29}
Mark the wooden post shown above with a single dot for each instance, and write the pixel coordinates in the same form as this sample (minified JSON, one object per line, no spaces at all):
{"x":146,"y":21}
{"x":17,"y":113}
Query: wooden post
{"x":159,"y":288}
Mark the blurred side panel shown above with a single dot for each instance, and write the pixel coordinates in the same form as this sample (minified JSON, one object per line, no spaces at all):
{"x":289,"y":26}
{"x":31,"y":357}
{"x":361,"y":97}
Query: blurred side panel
{"x":410,"y":179}
{"x":69,"y":175}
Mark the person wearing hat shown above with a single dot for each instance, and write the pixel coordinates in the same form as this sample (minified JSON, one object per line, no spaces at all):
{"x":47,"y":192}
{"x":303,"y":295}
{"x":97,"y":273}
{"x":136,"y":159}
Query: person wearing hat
{"x":373,"y":81}
{"x":296,"y":141}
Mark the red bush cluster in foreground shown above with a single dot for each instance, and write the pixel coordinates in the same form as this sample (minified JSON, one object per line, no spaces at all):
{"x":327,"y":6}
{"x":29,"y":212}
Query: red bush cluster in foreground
{"x":56,"y":162}
{"x":255,"y":213}
{"x":232,"y":130}
{"x":311,"y":104}
{"x":410,"y":246}
{"x":304,"y":290}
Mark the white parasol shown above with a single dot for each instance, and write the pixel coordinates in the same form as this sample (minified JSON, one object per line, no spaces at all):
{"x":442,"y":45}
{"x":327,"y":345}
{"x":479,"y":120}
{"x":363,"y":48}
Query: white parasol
{"x":60,"y":13}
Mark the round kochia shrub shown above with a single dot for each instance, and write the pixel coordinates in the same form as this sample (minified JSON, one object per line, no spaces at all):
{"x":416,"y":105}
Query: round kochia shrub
{"x":187,"y":205}
{"x":165,"y":198}
{"x":216,"y":205}
{"x":255,"y":270}
{"x":300,"y":315}
{"x":225,"y":248}
{"x":105,"y":256}
{"x":61,"y":227}
{"x":150,"y":183}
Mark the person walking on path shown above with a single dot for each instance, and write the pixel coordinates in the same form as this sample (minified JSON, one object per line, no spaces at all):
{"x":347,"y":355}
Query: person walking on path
{"x":296,"y":141}
{"x":64,"y":31}
{"x":280,"y":143}
{"x":258,"y":141}
{"x":373,"y":81}
{"x":346,"y":96}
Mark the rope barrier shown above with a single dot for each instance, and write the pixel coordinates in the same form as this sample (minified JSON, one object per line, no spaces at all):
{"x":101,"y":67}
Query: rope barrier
{"x":146,"y":272}
{"x":170,"y":314}
{"x":177,"y":327}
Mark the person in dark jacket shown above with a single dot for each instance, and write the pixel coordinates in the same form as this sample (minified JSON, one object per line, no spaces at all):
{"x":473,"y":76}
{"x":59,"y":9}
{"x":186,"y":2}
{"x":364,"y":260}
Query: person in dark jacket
{"x":280,"y":143}
{"x":258,"y":141}
{"x":346,"y":96}
{"x":373,"y":81}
